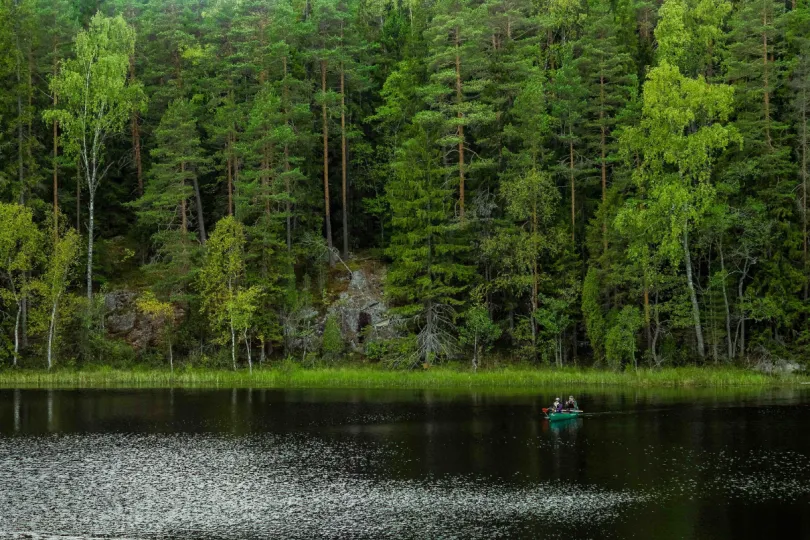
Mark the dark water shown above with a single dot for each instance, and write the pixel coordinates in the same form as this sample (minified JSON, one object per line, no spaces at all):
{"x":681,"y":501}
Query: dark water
{"x":402,"y":464}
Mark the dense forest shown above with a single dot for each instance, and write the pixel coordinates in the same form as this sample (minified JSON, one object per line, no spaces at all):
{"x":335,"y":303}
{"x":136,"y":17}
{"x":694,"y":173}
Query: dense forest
{"x":550,"y":181}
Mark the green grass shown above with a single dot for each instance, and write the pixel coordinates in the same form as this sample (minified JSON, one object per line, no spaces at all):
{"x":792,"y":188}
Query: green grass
{"x":290,"y":376}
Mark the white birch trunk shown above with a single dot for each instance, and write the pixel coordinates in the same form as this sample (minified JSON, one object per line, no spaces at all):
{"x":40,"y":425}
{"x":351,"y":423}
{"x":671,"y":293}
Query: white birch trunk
{"x":90,"y":244}
{"x":17,"y":332}
{"x":51,"y":332}
{"x":233,"y":345}
{"x":247,"y":347}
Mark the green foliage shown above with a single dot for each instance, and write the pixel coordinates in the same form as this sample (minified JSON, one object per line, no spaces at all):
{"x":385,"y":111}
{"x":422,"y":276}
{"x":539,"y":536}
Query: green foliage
{"x":504,"y":156}
{"x":478,"y":332}
{"x":20,"y":244}
{"x":426,"y":244}
{"x":229,"y":304}
{"x":592,"y":314}
{"x":620,"y":341}
{"x":332,"y":342}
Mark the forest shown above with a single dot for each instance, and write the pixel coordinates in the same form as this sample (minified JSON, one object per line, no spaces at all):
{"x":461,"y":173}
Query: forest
{"x":551,"y":182}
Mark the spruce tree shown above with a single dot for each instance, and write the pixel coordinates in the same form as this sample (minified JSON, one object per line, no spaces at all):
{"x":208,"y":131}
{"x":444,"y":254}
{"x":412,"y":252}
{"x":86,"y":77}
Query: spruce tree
{"x":177,"y":161}
{"x":427,"y":278}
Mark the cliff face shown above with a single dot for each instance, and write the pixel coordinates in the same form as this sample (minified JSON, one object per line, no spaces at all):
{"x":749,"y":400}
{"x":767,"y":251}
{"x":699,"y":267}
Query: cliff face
{"x":361,"y":310}
{"x":123,"y":320}
{"x":359,"y":307}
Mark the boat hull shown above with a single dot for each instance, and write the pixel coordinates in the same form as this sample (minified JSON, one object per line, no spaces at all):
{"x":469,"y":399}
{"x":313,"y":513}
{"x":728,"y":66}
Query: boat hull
{"x":557,"y":417}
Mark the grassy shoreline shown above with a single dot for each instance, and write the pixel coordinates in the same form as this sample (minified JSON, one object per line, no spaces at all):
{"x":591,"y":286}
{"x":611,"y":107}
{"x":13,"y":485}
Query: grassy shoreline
{"x":371,"y":377}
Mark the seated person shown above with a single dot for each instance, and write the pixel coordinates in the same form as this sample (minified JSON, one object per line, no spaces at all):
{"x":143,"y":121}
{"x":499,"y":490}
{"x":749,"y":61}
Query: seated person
{"x":571,"y":404}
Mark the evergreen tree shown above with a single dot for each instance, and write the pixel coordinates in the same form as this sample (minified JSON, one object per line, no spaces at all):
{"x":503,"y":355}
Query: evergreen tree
{"x":607,"y":70}
{"x":426,"y":279}
{"x":456,"y":36}
{"x":177,"y":162}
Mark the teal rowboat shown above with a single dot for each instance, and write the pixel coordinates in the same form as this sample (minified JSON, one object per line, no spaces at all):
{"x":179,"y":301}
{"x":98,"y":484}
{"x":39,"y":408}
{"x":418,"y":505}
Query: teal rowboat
{"x":565,"y":415}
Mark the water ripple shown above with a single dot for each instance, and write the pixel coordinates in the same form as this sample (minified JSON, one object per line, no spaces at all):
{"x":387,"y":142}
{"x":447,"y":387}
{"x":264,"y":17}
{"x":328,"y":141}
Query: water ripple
{"x":286,"y":486}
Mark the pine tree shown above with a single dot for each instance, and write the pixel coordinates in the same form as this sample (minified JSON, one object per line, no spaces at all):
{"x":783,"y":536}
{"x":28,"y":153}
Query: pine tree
{"x":607,"y":70}
{"x":287,"y":37}
{"x":328,"y":20}
{"x":456,"y":36}
{"x":59,"y":24}
{"x":755,"y":66}
{"x":261,"y":202}
{"x":567,"y":97}
{"x":800,"y":85}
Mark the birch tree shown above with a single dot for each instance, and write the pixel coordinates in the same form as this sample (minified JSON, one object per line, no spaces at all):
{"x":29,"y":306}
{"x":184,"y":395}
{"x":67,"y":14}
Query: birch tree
{"x":684,"y":126}
{"x":58,"y":275}
{"x":224,"y":298}
{"x":20,"y":241}
{"x":97,"y":100}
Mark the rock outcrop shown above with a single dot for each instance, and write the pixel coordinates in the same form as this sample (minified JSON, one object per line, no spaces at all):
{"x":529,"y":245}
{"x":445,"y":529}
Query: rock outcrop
{"x":361,"y":310}
{"x":123,"y":320}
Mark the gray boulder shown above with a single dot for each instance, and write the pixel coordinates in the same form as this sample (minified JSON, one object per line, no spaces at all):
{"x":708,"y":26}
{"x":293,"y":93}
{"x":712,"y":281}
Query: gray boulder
{"x":362,"y":306}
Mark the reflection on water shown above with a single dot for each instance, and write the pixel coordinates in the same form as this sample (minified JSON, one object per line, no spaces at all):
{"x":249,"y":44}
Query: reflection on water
{"x":401,"y":464}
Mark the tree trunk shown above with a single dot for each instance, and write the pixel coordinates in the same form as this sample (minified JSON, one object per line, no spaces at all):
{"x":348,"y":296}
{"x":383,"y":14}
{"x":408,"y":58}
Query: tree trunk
{"x":20,"y":136}
{"x":327,"y":210}
{"x":460,"y":130}
{"x":171,"y":356}
{"x":247,"y":348}
{"x":475,"y":353}
{"x":343,"y":164}
{"x":654,"y":343}
{"x":183,"y":219}
{"x":766,"y":90}
{"x":200,"y":217}
{"x":17,"y":332}
{"x":233,"y":346}
{"x":136,"y":133}
{"x":90,"y":225}
{"x":55,"y":175}
{"x":78,"y":197}
{"x":725,"y":302}
{"x":52,"y":332}
{"x":603,"y":149}
{"x":693,"y":295}
{"x":535,"y":283}
{"x":287,"y":186}
{"x":803,"y":171}
{"x":261,"y":352}
{"x":573,"y":188}
{"x":647,"y":318}
{"x":742,"y":315}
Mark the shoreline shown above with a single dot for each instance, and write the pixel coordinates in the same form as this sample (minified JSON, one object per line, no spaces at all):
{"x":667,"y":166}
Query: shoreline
{"x":374,"y":377}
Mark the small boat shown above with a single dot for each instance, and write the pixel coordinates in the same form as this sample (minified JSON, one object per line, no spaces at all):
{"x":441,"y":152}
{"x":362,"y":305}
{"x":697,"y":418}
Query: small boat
{"x":565,"y":415}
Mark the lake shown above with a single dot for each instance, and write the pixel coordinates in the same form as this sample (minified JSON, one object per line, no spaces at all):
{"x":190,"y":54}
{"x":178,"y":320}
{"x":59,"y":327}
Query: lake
{"x":274,"y":463}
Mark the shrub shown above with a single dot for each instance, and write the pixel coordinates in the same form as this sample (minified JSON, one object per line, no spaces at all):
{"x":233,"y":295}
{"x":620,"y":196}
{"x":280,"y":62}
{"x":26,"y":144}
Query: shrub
{"x":332,"y":344}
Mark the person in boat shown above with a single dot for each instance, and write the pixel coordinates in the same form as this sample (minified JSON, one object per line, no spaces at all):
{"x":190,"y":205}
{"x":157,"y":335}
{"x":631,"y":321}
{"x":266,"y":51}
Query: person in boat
{"x":571,"y":404}
{"x":557,"y":406}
